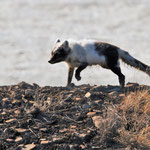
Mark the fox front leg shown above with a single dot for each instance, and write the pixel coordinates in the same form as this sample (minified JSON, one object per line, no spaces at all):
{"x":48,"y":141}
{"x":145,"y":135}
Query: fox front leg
{"x":70,"y":75}
{"x":78,"y":71}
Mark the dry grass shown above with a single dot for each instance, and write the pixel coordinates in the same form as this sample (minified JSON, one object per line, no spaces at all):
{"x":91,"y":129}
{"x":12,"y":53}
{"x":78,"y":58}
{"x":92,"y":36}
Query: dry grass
{"x":135,"y":112}
{"x":129,"y":123}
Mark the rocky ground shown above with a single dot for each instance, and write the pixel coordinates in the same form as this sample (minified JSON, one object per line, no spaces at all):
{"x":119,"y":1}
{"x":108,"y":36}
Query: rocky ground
{"x":74,"y":118}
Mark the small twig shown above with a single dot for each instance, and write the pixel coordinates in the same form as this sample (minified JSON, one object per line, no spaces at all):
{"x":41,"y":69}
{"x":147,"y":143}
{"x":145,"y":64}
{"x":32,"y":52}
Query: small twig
{"x":70,"y":118}
{"x":80,"y":108}
{"x":45,"y":119}
{"x":85,"y":145}
{"x":32,"y":132}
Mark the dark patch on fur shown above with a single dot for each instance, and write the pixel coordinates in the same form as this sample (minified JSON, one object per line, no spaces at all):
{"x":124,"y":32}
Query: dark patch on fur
{"x":109,"y":51}
{"x":112,"y":57}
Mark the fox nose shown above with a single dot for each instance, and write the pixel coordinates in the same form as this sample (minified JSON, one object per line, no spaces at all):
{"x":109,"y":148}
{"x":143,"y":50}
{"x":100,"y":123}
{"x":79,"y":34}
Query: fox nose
{"x":49,"y":61}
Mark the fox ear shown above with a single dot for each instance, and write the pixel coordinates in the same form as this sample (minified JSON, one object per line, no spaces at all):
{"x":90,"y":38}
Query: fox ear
{"x":58,"y":40}
{"x":65,"y":44}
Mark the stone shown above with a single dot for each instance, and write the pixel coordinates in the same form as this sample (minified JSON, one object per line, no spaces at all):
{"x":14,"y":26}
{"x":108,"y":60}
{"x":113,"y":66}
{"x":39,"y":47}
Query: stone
{"x":34,"y":111}
{"x":63,"y":130}
{"x":29,"y":93}
{"x":6,"y":102}
{"x":78,"y":99}
{"x":29,"y":146}
{"x":24,"y":85}
{"x":20,"y":130}
{"x":82,"y":135}
{"x":56,"y":139}
{"x":36,"y":86}
{"x":86,"y":106}
{"x":73,"y":127}
{"x":3,"y":113}
{"x":43,"y":139}
{"x":82,"y":146}
{"x":97,"y":121}
{"x":11,"y":120}
{"x":112,"y":93}
{"x":10,"y":140}
{"x":87,"y":95}
{"x":5,"y":99}
{"x":17,"y":112}
{"x":91,"y":114}
{"x":45,"y":142}
{"x":121,"y":95}
{"x":44,"y":129}
{"x":18,"y":139}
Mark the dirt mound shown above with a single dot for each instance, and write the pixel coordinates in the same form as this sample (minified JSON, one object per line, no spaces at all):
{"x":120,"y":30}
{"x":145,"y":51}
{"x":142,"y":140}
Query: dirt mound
{"x":72,"y":118}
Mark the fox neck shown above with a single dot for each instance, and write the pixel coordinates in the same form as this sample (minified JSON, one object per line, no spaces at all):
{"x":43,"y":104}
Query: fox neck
{"x":72,"y":60}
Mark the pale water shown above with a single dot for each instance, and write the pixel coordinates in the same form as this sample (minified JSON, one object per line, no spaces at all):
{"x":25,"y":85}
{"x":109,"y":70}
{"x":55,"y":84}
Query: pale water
{"x":29,"y":28}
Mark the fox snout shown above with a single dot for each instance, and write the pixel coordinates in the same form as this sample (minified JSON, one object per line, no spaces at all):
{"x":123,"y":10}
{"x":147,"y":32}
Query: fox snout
{"x":51,"y":61}
{"x":55,"y":59}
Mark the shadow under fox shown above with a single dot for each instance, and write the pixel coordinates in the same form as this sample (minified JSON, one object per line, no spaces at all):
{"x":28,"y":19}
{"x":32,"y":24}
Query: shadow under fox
{"x":80,"y":54}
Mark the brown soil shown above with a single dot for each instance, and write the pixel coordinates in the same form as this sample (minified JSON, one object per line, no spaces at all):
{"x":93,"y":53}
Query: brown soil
{"x":67,"y":118}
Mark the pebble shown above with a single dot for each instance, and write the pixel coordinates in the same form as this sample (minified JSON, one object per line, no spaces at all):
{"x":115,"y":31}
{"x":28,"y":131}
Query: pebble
{"x":25,"y":85}
{"x":18,"y":139}
{"x":17,"y":112}
{"x":56,"y":139}
{"x":29,"y":93}
{"x":11,"y":120}
{"x":45,"y":142}
{"x":82,"y":135}
{"x":78,"y":99}
{"x":3,"y":113}
{"x":87,"y":95}
{"x":5,"y":99}
{"x":73,"y":127}
{"x":20,"y":130}
{"x":29,"y":146}
{"x":44,"y":129}
{"x":10,"y":140}
{"x":97,"y":121}
{"x":91,"y":113}
{"x":63,"y":130}
{"x":86,"y":106}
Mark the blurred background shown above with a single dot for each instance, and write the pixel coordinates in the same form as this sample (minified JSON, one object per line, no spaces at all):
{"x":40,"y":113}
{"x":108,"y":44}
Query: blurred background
{"x":29,"y":28}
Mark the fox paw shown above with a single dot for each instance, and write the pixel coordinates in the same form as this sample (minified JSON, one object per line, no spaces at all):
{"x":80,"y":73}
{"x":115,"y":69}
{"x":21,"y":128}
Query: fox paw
{"x":78,"y":77}
{"x":70,"y":85}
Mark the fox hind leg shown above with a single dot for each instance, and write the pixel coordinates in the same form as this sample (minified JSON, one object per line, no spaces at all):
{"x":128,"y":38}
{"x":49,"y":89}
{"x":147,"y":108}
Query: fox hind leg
{"x":117,"y":71}
{"x":112,"y":59}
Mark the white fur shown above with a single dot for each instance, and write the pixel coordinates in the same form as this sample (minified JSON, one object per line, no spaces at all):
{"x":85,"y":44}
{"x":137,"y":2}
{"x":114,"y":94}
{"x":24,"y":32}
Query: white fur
{"x":84,"y":52}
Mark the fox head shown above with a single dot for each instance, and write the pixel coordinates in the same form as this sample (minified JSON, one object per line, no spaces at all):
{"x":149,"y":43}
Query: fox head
{"x":60,"y":52}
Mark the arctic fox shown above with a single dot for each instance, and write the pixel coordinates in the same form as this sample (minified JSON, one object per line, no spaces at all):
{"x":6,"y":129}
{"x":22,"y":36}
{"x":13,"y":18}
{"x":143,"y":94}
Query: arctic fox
{"x":83,"y":53}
